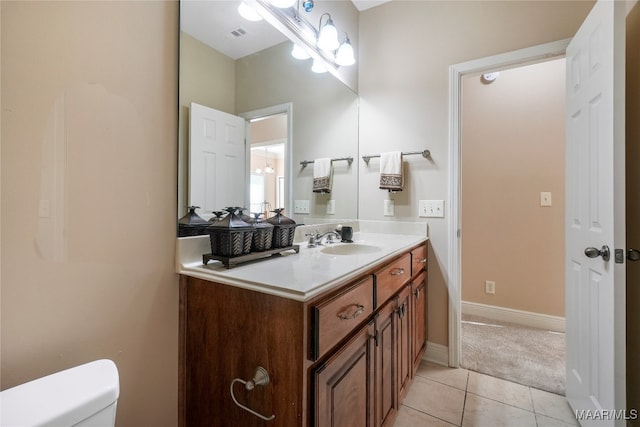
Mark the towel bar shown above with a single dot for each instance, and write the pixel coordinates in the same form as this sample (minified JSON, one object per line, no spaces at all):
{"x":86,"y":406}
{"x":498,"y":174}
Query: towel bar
{"x":425,"y":153}
{"x":349,"y":159}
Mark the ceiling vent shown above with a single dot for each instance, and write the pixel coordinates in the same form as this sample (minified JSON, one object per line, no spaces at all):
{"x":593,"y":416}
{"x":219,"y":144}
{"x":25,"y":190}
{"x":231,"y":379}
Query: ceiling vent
{"x":238,"y":32}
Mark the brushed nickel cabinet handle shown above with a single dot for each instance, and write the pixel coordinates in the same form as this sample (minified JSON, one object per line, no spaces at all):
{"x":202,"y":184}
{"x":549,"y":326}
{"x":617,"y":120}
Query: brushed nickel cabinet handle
{"x":397,"y":271}
{"x":423,"y":260}
{"x":345,"y":315}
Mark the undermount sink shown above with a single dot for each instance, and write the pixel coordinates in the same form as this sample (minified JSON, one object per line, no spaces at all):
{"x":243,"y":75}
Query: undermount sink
{"x":349,"y":249}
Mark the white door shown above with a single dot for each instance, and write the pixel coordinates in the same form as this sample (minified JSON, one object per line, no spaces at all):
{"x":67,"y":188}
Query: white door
{"x":216,"y":159}
{"x":595,"y":298}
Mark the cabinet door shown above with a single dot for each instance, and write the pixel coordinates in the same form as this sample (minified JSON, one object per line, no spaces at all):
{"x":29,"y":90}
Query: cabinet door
{"x":405,"y":358}
{"x":386,"y":364}
{"x":419,"y":311}
{"x":344,"y":384}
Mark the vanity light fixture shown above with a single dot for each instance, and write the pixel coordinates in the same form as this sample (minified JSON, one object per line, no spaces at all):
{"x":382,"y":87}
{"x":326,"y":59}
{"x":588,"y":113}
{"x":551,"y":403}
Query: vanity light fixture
{"x":318,"y":67}
{"x":344,"y":55}
{"x":248,"y":13}
{"x":327,"y":35}
{"x":299,"y":53}
{"x":283,"y":4}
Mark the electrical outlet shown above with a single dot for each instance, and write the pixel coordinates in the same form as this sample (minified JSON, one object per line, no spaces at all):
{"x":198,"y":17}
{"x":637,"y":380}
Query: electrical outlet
{"x":389,"y":207}
{"x":489,"y":287}
{"x":545,"y":198}
{"x":331,"y":207}
{"x":301,"y":206}
{"x":431,"y":208}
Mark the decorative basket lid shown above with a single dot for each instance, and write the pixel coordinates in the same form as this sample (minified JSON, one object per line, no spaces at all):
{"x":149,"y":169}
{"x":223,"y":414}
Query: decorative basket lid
{"x":231,"y":222}
{"x":259,"y":222}
{"x":279,"y":219}
{"x":217,"y":216}
{"x":192,"y":219}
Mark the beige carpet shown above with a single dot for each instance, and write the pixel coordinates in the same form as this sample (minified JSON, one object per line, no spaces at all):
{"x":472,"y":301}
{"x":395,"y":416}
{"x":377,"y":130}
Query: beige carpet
{"x":528,"y":356}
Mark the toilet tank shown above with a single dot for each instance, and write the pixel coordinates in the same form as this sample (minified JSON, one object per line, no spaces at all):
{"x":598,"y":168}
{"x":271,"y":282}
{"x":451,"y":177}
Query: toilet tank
{"x":86,"y":395}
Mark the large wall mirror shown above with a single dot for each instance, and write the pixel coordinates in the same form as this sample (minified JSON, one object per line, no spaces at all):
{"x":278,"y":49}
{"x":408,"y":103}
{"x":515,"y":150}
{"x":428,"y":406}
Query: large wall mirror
{"x":243,"y":68}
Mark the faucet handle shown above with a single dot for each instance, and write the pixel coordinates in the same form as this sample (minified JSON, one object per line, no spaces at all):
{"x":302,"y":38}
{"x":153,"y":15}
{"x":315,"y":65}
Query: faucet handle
{"x":312,"y":240}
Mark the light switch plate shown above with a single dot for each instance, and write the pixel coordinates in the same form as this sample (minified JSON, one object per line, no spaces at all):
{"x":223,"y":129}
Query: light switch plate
{"x":301,"y":206}
{"x":389,"y":208}
{"x":331,"y":207}
{"x":431,"y":208}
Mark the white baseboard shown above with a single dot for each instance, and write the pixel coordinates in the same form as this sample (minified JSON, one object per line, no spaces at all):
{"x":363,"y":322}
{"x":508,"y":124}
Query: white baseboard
{"x":520,"y":317}
{"x":436,"y":353}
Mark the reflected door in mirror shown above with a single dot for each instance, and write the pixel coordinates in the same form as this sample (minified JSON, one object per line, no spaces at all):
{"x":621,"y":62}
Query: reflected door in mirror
{"x":216,"y":159}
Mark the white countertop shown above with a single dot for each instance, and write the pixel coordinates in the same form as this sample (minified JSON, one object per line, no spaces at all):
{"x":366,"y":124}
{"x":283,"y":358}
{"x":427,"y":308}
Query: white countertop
{"x":299,"y":276}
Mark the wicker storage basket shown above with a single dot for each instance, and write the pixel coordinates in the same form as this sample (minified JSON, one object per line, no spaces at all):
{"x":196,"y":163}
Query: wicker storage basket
{"x":192,"y":224}
{"x":283,"y":229}
{"x":262,"y":234}
{"x":230,"y":236}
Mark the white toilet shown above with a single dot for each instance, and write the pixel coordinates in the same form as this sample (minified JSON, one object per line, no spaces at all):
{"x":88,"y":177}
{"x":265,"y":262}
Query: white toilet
{"x":86,"y":395}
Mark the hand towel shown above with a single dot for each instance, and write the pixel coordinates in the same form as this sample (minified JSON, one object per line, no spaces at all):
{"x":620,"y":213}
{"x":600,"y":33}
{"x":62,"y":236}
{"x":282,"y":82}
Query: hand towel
{"x":322,"y":175}
{"x":391,"y":176}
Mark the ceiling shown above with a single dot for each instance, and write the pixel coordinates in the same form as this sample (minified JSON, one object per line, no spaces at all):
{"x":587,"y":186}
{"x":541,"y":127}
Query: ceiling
{"x":213,"y":23}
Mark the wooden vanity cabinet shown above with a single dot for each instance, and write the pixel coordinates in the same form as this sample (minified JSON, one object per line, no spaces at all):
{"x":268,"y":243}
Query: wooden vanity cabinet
{"x":344,"y":384}
{"x":344,"y":358}
{"x":386,"y":363}
{"x":405,"y":355}
{"x":418,"y":306}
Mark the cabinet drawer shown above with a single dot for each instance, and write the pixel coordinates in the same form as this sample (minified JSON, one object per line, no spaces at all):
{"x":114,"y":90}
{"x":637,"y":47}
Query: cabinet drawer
{"x":418,"y":259}
{"x":390,"y":279}
{"x":335,"y":318}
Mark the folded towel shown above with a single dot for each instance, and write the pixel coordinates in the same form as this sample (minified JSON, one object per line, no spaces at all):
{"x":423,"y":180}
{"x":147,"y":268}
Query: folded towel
{"x":322,"y":175}
{"x":391,"y":176}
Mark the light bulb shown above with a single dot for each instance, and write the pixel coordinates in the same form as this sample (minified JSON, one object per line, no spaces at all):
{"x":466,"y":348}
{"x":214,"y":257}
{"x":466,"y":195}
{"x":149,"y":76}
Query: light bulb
{"x":283,"y":4}
{"x":299,"y":53}
{"x":344,"y":56}
{"x":318,"y":67}
{"x":248,"y":13}
{"x":328,"y":37}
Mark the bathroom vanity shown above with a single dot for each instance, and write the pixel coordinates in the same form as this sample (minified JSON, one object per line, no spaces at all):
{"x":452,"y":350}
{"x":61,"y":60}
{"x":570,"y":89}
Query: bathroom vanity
{"x":339,"y":329}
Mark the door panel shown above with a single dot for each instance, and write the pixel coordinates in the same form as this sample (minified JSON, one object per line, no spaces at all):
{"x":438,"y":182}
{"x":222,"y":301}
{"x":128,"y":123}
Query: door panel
{"x":595,"y":213}
{"x":216,"y":159}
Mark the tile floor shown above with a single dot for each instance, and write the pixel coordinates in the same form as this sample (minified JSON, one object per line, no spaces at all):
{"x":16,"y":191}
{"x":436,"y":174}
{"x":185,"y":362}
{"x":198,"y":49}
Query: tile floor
{"x":445,"y":397}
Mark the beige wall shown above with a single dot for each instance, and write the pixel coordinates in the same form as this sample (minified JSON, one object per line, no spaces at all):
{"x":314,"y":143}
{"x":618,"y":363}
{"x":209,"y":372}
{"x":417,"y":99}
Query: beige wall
{"x":512,"y":148}
{"x":406,"y":48}
{"x":325,"y":122}
{"x":207,"y":77}
{"x":633,"y":206}
{"x":89,"y":123}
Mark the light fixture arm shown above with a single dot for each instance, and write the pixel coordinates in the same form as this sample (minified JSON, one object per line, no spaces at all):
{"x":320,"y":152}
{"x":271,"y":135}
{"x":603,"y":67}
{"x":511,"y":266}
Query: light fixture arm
{"x":328,"y":20}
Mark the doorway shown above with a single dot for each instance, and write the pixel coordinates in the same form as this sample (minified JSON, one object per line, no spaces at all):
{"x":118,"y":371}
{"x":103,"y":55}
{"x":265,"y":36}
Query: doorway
{"x":512,"y":197}
{"x":457,"y":72}
{"x":269,"y":162}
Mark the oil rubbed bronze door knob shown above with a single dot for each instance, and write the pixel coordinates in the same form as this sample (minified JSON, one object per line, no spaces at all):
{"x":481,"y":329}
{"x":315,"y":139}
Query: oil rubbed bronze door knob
{"x":594,"y":253}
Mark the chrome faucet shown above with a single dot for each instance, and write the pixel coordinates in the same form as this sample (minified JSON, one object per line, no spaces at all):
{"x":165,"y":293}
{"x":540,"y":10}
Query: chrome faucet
{"x":315,"y":239}
{"x":329,"y":235}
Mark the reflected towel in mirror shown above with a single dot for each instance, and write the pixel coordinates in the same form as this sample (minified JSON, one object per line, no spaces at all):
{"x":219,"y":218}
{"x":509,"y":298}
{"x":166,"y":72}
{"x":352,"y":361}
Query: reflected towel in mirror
{"x":322,"y":175}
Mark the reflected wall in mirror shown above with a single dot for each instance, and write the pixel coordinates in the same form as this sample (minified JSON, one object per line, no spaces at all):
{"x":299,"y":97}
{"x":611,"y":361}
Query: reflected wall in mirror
{"x":324,"y":112}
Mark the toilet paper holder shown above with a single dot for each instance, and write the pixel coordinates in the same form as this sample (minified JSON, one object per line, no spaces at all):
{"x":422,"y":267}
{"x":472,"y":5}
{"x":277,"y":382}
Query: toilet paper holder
{"x":260,"y":378}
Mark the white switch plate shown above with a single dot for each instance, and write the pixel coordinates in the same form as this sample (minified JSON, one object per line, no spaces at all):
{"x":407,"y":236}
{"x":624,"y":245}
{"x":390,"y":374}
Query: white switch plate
{"x":545,"y":198}
{"x":389,"y":208}
{"x":331,"y":207}
{"x":489,"y":287}
{"x":431,"y":208}
{"x":44,"y":209}
{"x":301,"y":206}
